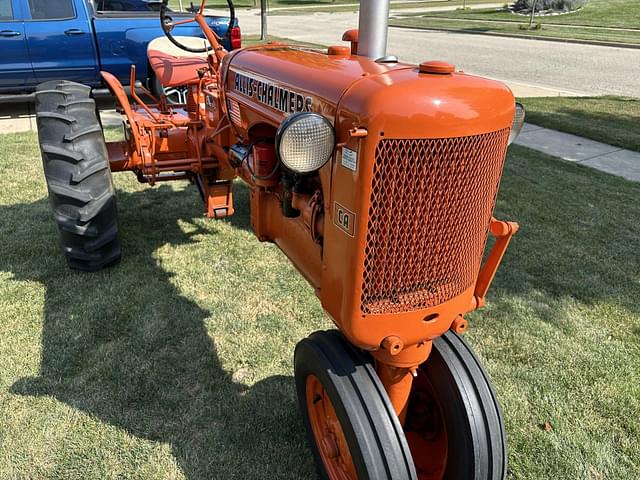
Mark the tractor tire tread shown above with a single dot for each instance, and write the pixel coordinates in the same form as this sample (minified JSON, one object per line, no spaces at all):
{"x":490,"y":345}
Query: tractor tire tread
{"x":78,"y":176}
{"x":483,"y":410}
{"x":374,"y":424}
{"x":490,"y":410}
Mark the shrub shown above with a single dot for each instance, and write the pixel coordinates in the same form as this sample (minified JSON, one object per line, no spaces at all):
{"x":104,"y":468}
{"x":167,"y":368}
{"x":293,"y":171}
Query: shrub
{"x":557,"y":5}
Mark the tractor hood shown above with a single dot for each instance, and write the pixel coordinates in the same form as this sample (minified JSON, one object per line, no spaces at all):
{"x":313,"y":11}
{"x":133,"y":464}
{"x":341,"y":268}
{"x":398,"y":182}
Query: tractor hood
{"x":269,"y":83}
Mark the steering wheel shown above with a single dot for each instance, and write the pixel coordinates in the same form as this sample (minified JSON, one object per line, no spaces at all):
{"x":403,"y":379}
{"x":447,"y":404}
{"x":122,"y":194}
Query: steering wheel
{"x":167,"y":24}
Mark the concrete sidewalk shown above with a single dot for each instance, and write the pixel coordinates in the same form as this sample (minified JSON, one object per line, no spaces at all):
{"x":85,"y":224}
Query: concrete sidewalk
{"x":601,"y":156}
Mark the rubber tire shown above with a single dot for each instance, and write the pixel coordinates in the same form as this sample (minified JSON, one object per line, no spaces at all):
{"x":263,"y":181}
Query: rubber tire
{"x":373,"y":432}
{"x":76,"y":168}
{"x":471,"y":412}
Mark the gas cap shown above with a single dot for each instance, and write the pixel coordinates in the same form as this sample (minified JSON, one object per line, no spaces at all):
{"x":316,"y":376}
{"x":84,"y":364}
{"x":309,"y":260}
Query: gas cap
{"x":437,"y":67}
{"x":339,"y":51}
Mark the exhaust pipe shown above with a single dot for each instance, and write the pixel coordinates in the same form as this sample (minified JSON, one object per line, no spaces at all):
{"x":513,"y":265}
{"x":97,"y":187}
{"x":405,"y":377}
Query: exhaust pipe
{"x":373,"y":27}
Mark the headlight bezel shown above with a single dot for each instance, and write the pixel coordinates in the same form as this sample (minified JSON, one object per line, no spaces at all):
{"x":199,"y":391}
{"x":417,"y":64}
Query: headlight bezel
{"x":517,"y":123}
{"x":287,"y":124}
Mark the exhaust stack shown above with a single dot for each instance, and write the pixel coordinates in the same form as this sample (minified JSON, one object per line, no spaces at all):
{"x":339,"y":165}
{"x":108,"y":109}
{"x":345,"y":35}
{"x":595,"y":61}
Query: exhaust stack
{"x":373,"y":27}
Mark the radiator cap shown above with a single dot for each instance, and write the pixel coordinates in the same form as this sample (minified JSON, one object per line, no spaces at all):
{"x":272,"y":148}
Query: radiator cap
{"x":437,"y":67}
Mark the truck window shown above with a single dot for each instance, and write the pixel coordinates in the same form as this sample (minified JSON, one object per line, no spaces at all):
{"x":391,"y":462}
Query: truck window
{"x":127,"y":6}
{"x":6,"y":11}
{"x":51,"y":9}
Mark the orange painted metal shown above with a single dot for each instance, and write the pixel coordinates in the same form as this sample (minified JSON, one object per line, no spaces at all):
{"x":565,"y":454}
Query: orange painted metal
{"x":397,"y":383}
{"x":504,"y":232}
{"x":330,"y":438}
{"x":426,"y":430}
{"x":351,"y":36}
{"x":436,"y":66}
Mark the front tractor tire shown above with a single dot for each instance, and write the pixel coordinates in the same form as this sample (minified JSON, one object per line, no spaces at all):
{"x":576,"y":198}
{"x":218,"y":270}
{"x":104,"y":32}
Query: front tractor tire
{"x":76,"y":169}
{"x":453,"y":430}
{"x":454,"y":425}
{"x":353,"y":430}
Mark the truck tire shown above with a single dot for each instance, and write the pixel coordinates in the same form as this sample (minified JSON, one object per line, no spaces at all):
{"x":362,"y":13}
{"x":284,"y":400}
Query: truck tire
{"x":76,"y":168}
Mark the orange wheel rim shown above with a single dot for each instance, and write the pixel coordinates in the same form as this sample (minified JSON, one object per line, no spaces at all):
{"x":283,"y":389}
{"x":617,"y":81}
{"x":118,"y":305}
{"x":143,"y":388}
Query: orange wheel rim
{"x":426,"y":430}
{"x":329,"y":436}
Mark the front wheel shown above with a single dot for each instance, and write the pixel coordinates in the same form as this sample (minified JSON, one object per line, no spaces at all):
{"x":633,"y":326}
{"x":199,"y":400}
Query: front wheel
{"x":454,"y":426}
{"x":353,"y":430}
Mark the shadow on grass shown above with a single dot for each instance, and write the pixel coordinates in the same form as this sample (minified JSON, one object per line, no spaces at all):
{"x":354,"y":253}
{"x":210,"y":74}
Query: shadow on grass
{"x":126,"y":347}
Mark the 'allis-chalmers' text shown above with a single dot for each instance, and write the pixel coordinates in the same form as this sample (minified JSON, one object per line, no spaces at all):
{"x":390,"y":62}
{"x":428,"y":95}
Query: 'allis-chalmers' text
{"x":286,"y":101}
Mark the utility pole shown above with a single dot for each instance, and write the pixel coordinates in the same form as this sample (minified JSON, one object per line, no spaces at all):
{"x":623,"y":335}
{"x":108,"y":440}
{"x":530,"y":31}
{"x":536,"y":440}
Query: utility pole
{"x":263,"y":19}
{"x":533,"y":12}
{"x":181,"y":7}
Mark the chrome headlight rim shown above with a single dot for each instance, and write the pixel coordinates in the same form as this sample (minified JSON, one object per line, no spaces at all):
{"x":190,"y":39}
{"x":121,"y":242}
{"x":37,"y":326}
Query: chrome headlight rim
{"x":517,"y":123}
{"x":286,"y":124}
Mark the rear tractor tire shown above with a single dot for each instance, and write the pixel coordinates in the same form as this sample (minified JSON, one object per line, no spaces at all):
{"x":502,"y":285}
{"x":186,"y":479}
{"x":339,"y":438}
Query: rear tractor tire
{"x":453,"y":429}
{"x":76,"y":169}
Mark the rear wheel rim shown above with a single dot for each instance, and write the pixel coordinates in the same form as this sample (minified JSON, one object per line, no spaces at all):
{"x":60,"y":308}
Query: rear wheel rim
{"x":426,"y":430}
{"x":329,"y":435}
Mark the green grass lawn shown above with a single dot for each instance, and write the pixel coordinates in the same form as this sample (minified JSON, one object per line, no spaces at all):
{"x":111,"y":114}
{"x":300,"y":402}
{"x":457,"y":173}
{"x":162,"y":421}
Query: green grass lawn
{"x":609,"y":14}
{"x":177,"y":363}
{"x":609,"y":119}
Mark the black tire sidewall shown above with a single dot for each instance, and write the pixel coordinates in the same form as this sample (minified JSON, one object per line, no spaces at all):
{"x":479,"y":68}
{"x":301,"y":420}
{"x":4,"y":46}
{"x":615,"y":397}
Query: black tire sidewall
{"x":368,"y":434}
{"x":475,"y":429}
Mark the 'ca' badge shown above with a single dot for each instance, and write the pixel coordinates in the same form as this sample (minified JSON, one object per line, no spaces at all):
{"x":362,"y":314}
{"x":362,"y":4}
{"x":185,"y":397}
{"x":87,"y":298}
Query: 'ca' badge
{"x":345,"y":219}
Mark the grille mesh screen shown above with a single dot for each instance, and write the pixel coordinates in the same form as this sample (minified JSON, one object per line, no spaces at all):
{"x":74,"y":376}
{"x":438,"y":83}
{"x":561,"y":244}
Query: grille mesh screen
{"x":431,"y":202}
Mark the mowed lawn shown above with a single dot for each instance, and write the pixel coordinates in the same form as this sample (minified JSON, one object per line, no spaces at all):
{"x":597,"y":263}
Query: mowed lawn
{"x":608,"y":119}
{"x":177,"y":364}
{"x":600,"y":20}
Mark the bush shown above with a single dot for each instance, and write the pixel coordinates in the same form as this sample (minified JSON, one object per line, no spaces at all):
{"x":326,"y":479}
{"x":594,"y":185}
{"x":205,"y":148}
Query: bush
{"x":557,"y":5}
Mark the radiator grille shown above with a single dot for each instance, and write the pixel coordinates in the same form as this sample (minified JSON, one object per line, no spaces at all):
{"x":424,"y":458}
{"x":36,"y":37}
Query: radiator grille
{"x":431,"y":202}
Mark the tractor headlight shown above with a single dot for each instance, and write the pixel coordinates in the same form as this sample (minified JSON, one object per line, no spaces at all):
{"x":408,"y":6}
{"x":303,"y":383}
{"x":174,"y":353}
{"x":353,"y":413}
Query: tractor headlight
{"x":518,"y":122}
{"x":305,"y":142}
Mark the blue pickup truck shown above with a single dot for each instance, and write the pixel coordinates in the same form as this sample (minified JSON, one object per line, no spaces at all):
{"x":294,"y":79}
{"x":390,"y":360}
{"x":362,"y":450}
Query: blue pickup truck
{"x":43,"y":40}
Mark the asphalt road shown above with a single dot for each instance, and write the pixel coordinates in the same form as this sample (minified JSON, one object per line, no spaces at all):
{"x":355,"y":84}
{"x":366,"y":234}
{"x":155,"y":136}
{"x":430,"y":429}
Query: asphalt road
{"x":566,"y":67}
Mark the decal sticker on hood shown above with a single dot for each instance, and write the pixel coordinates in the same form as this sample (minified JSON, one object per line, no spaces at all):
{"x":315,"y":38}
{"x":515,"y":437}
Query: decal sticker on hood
{"x":270,"y":94}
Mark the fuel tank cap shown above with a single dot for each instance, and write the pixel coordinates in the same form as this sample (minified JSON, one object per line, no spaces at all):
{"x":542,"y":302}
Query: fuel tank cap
{"x":437,"y":67}
{"x":339,"y":51}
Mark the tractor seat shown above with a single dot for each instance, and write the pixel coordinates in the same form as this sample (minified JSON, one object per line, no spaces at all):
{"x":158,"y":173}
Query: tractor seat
{"x":174,"y":66}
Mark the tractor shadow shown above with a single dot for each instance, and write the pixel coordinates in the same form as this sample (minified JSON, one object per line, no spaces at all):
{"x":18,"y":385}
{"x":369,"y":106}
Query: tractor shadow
{"x":126,"y":347}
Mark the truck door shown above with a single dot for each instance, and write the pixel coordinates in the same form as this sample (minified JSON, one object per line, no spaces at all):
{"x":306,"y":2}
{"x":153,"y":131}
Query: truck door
{"x":61,"y":41}
{"x":15,"y":65}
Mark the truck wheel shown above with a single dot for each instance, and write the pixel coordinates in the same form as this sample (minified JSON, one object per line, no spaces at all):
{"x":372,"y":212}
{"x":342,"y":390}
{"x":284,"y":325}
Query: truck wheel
{"x":76,"y":168}
{"x":352,"y":428}
{"x":454,"y":426}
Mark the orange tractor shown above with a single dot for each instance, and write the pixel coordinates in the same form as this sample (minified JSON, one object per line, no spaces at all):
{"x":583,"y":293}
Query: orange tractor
{"x":377,"y":179}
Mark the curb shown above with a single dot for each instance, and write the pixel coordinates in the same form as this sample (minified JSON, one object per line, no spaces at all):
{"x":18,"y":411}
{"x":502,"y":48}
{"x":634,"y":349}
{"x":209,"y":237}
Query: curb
{"x":526,"y":37}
